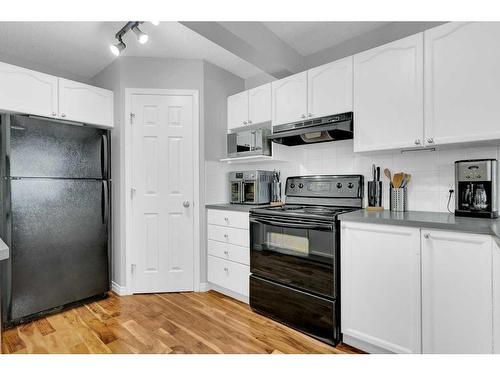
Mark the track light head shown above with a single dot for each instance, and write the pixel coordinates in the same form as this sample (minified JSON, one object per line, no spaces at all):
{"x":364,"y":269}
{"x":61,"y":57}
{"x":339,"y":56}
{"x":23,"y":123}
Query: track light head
{"x":117,"y":48}
{"x":142,"y":37}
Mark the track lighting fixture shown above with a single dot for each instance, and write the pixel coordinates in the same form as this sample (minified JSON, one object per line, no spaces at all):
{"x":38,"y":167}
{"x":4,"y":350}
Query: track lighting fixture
{"x":117,"y":48}
{"x":142,"y":37}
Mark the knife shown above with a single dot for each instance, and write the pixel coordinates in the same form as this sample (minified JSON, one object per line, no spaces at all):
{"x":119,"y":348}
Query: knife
{"x":378,"y":173}
{"x":374,"y":172}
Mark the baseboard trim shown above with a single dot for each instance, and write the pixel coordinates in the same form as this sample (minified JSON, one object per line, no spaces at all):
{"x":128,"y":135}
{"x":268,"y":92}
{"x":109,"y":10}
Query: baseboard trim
{"x":204,"y":287}
{"x":230,"y":293}
{"x":120,"y":290}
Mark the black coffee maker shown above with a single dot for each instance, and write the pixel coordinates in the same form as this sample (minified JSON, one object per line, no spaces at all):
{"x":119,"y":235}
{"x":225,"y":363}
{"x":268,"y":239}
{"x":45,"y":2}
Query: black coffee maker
{"x":476,"y":184}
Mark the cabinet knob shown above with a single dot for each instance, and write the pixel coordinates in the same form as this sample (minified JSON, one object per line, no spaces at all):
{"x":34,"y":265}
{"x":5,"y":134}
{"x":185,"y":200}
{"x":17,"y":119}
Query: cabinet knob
{"x":54,"y":114}
{"x":244,"y":122}
{"x":225,"y":252}
{"x":186,"y":204}
{"x":303,"y":116}
{"x":225,"y":269}
{"x":226,"y":219}
{"x":249,"y":121}
{"x":430,"y":140}
{"x":427,"y":236}
{"x":310,"y":114}
{"x":63,"y":115}
{"x":417,"y":141}
{"x":226,"y":236}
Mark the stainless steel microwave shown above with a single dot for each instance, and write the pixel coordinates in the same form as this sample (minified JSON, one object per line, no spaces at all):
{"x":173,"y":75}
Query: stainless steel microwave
{"x":249,"y":142}
{"x":250,"y":187}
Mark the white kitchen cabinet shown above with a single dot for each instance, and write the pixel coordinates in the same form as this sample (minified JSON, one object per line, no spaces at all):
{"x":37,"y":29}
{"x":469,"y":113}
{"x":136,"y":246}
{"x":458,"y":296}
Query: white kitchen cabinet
{"x":237,"y":110}
{"x":289,"y":99}
{"x":380,"y":287}
{"x":388,"y":96}
{"x":84,"y":103}
{"x":259,"y":104}
{"x":462,"y":80}
{"x":26,"y":91}
{"x":496,"y":298}
{"x":457,"y":309}
{"x":330,"y":88}
{"x":228,"y":249}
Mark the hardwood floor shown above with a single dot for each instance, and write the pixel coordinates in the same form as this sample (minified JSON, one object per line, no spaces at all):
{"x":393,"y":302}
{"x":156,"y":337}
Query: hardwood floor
{"x":161,"y":323}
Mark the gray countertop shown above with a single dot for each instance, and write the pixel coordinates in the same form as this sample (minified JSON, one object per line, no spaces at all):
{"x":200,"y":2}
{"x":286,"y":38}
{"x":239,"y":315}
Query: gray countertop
{"x":4,"y":250}
{"x":234,"y":207}
{"x":430,"y":220}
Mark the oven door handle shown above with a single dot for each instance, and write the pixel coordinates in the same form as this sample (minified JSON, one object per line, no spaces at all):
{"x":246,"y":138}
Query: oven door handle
{"x":293,"y":225}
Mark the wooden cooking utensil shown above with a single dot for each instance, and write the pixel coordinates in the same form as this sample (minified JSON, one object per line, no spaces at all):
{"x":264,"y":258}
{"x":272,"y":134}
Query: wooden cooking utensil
{"x":397,"y":180}
{"x":387,"y":173}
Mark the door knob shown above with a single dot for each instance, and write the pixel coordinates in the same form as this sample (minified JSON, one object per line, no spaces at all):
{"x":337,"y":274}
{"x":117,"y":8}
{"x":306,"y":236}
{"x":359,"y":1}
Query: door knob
{"x":186,"y":204}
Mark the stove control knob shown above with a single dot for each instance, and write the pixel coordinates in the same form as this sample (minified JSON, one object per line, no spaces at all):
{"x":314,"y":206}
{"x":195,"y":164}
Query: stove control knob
{"x":301,"y":185}
{"x":350,"y":185}
{"x":292,"y":186}
{"x":339,"y":185}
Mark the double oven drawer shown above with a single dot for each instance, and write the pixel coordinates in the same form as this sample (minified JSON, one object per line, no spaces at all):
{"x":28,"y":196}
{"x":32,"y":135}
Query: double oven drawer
{"x":303,"y":311}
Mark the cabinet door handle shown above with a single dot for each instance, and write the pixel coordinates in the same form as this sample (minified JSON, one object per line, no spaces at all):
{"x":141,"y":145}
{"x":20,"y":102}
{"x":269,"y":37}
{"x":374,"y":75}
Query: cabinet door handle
{"x":427,"y":236}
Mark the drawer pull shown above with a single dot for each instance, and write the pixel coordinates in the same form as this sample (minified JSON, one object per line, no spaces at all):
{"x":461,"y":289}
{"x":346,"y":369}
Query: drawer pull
{"x":226,"y":252}
{"x":226,"y":236}
{"x":225,"y":269}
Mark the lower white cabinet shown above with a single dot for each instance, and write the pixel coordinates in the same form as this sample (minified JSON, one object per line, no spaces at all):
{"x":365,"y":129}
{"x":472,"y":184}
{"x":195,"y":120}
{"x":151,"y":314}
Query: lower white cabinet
{"x":412,"y":290}
{"x":457,"y":309}
{"x":496,"y":298}
{"x":229,"y":253}
{"x":380,"y":296}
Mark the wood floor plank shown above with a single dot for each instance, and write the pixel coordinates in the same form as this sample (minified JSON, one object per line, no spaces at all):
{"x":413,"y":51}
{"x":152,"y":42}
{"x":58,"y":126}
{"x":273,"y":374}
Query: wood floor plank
{"x":173,"y":323}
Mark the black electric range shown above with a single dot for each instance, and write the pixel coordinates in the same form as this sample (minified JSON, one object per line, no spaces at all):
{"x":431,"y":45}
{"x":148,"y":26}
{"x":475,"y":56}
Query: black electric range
{"x":295,"y":253}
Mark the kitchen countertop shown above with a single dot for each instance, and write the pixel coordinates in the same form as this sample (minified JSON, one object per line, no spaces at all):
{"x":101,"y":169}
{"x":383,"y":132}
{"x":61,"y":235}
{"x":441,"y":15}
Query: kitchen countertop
{"x":234,"y":207}
{"x":4,"y":251}
{"x":430,"y":220}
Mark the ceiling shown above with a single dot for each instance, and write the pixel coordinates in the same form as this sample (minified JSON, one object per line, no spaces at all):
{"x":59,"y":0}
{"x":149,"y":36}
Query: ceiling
{"x":82,"y":48}
{"x":310,"y":37}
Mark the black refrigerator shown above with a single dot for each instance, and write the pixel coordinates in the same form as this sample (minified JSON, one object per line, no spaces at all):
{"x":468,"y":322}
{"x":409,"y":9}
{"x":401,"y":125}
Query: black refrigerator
{"x":55,"y":215}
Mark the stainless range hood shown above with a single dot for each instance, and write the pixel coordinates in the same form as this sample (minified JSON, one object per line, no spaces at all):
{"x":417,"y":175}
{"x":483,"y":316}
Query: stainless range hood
{"x":323,"y":129}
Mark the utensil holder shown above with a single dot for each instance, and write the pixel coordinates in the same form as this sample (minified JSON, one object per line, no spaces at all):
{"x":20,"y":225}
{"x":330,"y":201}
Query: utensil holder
{"x":399,"y":199}
{"x":374,"y":193}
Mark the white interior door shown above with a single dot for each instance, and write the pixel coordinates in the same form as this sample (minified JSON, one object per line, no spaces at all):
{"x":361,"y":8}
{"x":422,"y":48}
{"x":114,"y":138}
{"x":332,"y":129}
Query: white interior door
{"x":162,"y":205}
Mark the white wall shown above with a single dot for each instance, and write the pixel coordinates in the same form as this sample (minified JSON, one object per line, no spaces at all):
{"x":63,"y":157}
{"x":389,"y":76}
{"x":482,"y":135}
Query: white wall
{"x":432,"y":172}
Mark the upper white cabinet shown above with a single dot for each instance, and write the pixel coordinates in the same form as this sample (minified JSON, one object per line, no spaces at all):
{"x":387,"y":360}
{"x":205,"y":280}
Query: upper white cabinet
{"x":237,"y":110}
{"x":380,"y":271}
{"x":249,"y":107}
{"x":289,"y":99}
{"x":26,"y":91}
{"x":30,"y":92}
{"x":457,"y":309}
{"x":462,"y":81}
{"x":388,"y":96}
{"x":85,"y":103}
{"x":259,"y":104}
{"x":329,"y":88}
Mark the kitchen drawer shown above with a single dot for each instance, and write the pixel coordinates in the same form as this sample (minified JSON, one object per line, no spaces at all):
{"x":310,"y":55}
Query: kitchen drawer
{"x":228,"y":218}
{"x":230,"y":252}
{"x":229,"y":275}
{"x":235,"y":236}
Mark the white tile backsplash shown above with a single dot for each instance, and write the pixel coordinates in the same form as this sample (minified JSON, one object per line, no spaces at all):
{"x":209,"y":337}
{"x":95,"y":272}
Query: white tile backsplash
{"x":432,"y":172}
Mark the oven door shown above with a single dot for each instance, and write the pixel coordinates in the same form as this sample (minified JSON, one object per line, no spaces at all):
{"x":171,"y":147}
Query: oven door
{"x":249,"y":192}
{"x":235,"y":187}
{"x":295,"y":252}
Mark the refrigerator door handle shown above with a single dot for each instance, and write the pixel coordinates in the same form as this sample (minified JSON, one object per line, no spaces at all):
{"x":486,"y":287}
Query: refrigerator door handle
{"x":105,"y":204}
{"x":104,"y":159}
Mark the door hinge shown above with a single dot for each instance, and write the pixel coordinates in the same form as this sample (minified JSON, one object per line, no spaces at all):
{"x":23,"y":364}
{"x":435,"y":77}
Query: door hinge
{"x":132,"y":268}
{"x":132,"y":193}
{"x":132,"y":116}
